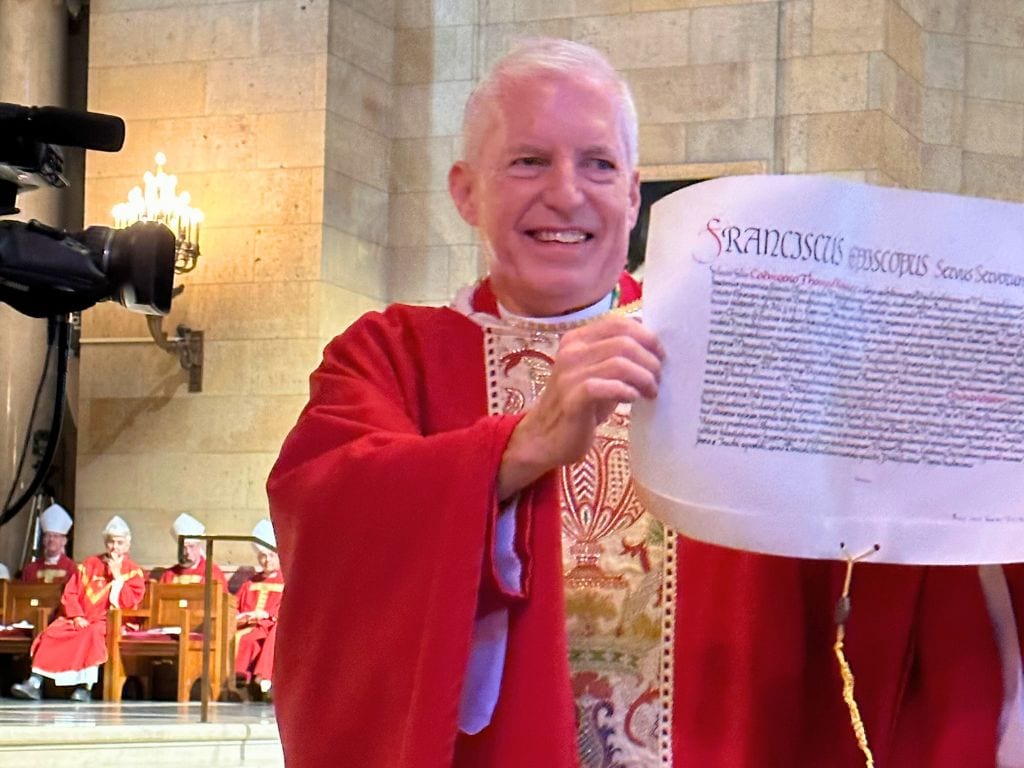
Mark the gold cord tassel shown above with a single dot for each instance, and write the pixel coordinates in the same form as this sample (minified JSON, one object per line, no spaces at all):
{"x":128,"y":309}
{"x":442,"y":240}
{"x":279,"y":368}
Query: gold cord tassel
{"x":841,"y":617}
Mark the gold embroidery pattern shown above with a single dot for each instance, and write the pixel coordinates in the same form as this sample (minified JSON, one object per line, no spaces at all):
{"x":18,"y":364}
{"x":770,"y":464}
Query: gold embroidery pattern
{"x":616,"y":571}
{"x":94,"y":587}
{"x":668,"y":659}
{"x":599,"y":499}
{"x":51,"y":575}
{"x":264,"y":591}
{"x":97,"y":587}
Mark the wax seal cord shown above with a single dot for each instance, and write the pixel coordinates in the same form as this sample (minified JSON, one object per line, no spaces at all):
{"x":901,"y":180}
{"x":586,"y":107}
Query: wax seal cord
{"x":842,"y":615}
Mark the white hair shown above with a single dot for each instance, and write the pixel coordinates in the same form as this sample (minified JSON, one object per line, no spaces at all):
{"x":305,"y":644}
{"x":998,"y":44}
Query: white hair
{"x":545,"y":55}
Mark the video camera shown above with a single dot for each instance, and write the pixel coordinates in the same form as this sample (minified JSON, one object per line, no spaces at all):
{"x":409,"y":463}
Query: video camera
{"x":45,"y":271}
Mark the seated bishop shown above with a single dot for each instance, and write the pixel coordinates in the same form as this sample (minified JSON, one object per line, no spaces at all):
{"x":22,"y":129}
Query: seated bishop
{"x":191,"y":569}
{"x":53,"y":566}
{"x":259,"y":602}
{"x":71,"y":649}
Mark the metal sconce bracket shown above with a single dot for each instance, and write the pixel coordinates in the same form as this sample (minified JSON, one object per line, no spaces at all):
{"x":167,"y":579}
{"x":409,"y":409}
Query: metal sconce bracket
{"x":162,"y":202}
{"x":187,"y":346}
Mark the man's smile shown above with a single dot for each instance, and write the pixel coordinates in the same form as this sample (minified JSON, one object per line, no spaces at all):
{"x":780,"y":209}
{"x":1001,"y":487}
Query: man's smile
{"x":567,"y":236}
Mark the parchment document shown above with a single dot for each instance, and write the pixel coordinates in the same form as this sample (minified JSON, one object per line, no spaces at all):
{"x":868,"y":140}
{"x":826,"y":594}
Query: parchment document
{"x":845,"y":365}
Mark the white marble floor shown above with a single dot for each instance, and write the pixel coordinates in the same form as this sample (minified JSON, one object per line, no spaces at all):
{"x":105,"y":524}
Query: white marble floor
{"x":56,"y":712}
{"x":60,"y":734}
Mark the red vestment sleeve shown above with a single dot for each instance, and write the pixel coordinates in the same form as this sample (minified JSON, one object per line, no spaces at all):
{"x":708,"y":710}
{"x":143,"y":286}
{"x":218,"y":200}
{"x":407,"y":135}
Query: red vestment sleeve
{"x":391,"y":472}
{"x":1015,"y":580}
{"x":71,"y":597}
{"x":134,"y":586}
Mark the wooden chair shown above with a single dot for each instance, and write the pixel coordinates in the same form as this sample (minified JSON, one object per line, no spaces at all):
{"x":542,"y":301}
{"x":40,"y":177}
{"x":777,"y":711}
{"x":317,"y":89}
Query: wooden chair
{"x":33,"y":603}
{"x":228,"y":689}
{"x":132,"y":653}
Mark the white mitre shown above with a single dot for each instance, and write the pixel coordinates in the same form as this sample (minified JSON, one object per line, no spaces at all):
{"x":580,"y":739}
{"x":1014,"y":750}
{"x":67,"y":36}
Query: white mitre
{"x":117,"y":526}
{"x":186,"y":525}
{"x":264,"y":530}
{"x":55,"y":519}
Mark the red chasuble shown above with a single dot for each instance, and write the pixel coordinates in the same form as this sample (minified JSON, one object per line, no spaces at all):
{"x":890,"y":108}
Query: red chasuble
{"x":256,"y":641}
{"x":195,"y":574}
{"x":56,"y":573}
{"x":63,"y":647}
{"x":391,"y":468}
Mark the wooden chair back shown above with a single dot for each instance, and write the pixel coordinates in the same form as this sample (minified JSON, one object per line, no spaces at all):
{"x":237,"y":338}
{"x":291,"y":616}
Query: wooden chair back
{"x":19,"y":601}
{"x":170,"y":605}
{"x":33,"y":602}
{"x":180,"y":605}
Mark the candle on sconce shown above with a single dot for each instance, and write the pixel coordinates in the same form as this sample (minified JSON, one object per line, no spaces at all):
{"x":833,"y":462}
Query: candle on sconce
{"x":160,"y":201}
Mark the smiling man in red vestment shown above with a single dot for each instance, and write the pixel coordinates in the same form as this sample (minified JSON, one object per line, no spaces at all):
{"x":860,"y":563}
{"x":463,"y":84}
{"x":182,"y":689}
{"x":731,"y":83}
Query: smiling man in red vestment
{"x":53,"y":565}
{"x":498,"y":598}
{"x":70,"y":650}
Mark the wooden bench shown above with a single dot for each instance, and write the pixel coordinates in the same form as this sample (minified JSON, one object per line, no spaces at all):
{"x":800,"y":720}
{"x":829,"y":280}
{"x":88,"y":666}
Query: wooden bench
{"x":33,"y":603}
{"x":133,"y":653}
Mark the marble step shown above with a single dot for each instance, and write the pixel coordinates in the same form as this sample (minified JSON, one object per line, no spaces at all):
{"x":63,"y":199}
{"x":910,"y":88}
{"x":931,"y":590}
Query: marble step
{"x":56,"y":735}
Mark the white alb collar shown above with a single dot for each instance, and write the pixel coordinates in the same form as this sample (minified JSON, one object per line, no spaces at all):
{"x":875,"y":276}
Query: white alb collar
{"x":598,"y":308}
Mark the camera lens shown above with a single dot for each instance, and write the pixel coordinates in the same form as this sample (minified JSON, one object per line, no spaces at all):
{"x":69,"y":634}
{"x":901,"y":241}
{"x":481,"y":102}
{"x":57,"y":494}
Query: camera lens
{"x":138,"y":262}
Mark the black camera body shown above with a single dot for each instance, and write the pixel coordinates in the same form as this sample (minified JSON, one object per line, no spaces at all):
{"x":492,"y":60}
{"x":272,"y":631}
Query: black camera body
{"x":46,"y":272}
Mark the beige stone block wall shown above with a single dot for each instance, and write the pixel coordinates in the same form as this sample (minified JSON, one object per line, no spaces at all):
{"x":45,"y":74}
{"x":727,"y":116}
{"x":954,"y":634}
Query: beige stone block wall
{"x":436,"y":53}
{"x":359,"y":128}
{"x":997,"y":22}
{"x":421,"y":164}
{"x":660,"y":5}
{"x":896,"y":93}
{"x":732,"y":33}
{"x":992,"y":97}
{"x":823,"y":84}
{"x":846,"y":26}
{"x":944,"y":60}
{"x":903,"y":40}
{"x":236,"y":95}
{"x":941,"y":168}
{"x":355,"y":263}
{"x":994,"y":127}
{"x":796,"y":27}
{"x":642,"y":41}
{"x":662,"y":144}
{"x":852,"y":101}
{"x":419,"y":62}
{"x":992,"y":176}
{"x":844,"y":141}
{"x":995,"y":72}
{"x":715,"y":141}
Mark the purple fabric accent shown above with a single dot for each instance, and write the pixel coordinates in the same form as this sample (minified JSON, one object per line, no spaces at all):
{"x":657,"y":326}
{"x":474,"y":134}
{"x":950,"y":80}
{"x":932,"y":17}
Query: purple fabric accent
{"x":483,"y":676}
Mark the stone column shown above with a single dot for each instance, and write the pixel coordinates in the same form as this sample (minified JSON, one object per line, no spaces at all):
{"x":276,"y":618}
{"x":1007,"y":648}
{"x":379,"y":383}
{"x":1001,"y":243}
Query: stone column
{"x":32,"y":59}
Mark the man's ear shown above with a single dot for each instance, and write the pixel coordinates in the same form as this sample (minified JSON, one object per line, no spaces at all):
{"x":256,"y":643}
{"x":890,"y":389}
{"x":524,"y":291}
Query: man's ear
{"x":634,"y":198}
{"x":462,"y":188}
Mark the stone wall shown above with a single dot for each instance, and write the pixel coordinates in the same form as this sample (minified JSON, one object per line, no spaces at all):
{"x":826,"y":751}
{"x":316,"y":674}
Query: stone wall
{"x":236,"y":95}
{"x":317,"y":136}
{"x":944,"y":85}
